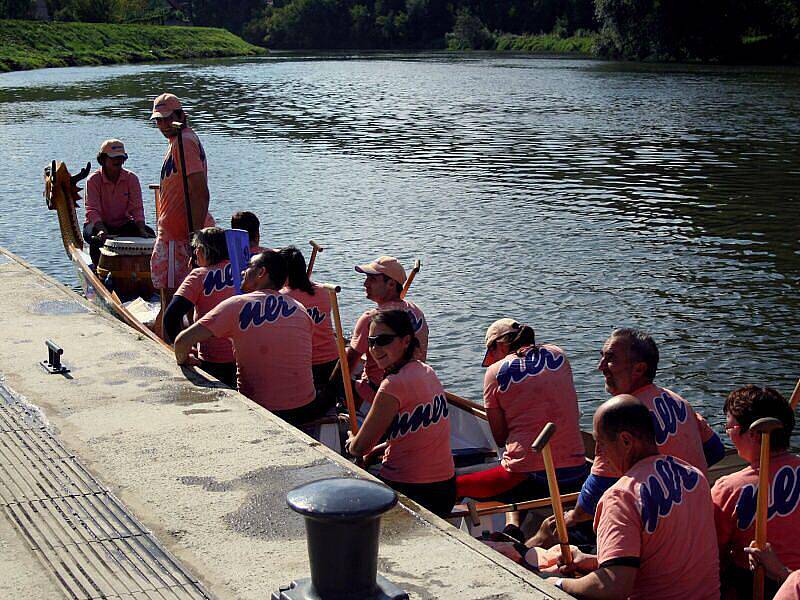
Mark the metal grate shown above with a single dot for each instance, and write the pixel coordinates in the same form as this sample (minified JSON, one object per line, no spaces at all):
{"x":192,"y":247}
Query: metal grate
{"x":80,"y":532}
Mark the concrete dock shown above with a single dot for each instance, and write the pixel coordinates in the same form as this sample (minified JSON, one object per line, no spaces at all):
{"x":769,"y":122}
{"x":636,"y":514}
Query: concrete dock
{"x":200,"y":468}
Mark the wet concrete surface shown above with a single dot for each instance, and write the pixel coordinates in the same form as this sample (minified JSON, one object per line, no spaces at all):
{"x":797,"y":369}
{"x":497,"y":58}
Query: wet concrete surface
{"x":203,"y":467}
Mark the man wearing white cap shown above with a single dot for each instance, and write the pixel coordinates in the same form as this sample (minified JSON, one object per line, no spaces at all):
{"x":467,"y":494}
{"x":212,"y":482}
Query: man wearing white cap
{"x":384,"y":282}
{"x":113,"y":200}
{"x":169,"y":264}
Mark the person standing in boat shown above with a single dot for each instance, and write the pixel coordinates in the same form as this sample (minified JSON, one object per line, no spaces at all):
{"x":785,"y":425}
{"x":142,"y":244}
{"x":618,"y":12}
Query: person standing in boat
{"x":249,"y":222}
{"x":205,"y":287}
{"x":113,"y":200}
{"x":655,"y":525}
{"x":628,"y":362}
{"x":383,"y":284}
{"x":271,"y":335}
{"x":169,"y":263}
{"x":735,"y":495}
{"x":525,"y":386}
{"x":317,"y":302}
{"x":410,"y":411}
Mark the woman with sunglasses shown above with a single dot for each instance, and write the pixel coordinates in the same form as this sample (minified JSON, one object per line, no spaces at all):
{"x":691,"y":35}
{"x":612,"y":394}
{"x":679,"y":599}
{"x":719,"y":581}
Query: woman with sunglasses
{"x":315,"y":298}
{"x":410,"y":413}
{"x":209,"y":283}
{"x":527,"y":385}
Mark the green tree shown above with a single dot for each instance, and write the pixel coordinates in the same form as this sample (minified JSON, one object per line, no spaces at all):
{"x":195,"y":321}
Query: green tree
{"x":469,"y":33}
{"x":16,"y":9}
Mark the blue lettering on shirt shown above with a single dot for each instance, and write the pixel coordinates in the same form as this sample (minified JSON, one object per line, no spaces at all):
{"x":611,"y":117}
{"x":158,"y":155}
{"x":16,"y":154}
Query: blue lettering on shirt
{"x":423,"y":416}
{"x":668,"y":414}
{"x":664,"y":490}
{"x":315,"y":314}
{"x":217,"y":280}
{"x":258,"y":312}
{"x":785,"y":492}
{"x":168,"y":168}
{"x":416,"y":323}
{"x":533,"y":362}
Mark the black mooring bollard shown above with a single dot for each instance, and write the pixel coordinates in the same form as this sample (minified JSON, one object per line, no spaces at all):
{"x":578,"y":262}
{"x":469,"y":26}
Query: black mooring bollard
{"x":342,"y":528}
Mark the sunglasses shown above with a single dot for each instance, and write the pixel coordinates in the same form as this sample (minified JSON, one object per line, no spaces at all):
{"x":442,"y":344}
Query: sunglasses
{"x":383,"y":339}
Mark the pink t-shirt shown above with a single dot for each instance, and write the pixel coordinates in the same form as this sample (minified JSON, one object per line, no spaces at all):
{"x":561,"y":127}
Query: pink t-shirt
{"x":790,"y":590}
{"x":531,"y":390}
{"x":271,"y":336}
{"x":318,"y":306}
{"x":418,"y":439}
{"x":659,"y":516}
{"x":735,"y":509}
{"x":358,"y":341}
{"x":205,"y":287}
{"x":680,"y":431}
{"x":114,"y":203}
{"x":172,"y":224}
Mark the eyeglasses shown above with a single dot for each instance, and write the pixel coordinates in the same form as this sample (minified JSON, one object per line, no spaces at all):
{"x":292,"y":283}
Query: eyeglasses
{"x":383,"y":339}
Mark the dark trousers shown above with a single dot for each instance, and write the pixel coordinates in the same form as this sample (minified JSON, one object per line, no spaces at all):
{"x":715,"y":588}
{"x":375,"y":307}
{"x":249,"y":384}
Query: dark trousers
{"x":128,"y":229}
{"x":321,"y":404}
{"x":322,"y":373}
{"x":438,"y":497}
{"x":225,"y":372}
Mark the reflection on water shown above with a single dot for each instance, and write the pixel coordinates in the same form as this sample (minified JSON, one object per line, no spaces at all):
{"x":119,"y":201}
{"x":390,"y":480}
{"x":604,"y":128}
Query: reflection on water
{"x":575,"y":195}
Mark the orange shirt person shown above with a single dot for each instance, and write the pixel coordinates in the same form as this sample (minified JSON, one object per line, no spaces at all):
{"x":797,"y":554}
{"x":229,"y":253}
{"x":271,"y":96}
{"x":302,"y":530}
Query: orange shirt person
{"x":170,"y":263}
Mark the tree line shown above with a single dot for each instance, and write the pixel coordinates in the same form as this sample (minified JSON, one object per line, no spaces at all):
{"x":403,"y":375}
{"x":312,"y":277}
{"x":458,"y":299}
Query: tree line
{"x":707,"y":30}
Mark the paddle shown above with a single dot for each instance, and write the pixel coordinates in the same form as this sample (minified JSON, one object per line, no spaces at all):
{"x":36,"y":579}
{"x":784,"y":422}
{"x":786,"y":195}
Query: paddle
{"x":187,"y":203}
{"x":542,"y":444}
{"x":410,"y":278}
{"x":333,"y":290}
{"x":494,"y":508}
{"x":764,"y":427}
{"x":795,"y":396}
{"x":315,"y":248}
{"x":467,"y":405}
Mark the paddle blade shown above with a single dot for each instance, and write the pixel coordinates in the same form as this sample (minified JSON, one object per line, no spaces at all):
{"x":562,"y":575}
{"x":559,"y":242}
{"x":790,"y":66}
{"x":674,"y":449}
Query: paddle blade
{"x":238,"y":243}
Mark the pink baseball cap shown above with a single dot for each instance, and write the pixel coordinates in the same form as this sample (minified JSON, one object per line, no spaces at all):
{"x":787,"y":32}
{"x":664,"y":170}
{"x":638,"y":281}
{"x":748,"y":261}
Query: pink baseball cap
{"x":498,"y":329}
{"x":113,"y":149}
{"x":165,"y":105}
{"x":384,"y":265}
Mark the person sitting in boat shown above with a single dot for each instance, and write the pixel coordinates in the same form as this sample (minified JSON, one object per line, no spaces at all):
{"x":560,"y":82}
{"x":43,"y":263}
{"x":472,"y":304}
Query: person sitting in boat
{"x":271,"y":335}
{"x":383,"y":284}
{"x":655,"y":525}
{"x":170,"y":261}
{"x":317,"y":301}
{"x":411,"y":411}
{"x":775,"y":570}
{"x":205,"y":287}
{"x":628,"y":362}
{"x":249,"y":222}
{"x":525,"y":386}
{"x":735,"y":495}
{"x":113,"y":200}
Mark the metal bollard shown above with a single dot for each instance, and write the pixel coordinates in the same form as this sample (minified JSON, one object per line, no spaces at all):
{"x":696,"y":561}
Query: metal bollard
{"x":53,"y":363}
{"x":342,"y":518}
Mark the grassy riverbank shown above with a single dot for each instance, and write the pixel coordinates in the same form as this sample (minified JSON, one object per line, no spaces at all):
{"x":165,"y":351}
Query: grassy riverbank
{"x":585,"y":45}
{"x":36,"y":44}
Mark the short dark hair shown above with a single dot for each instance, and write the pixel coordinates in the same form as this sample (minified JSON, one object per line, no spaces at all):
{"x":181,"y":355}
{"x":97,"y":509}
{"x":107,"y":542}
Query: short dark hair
{"x":399,"y":321}
{"x":751,"y":403}
{"x":641,"y":348}
{"x":247,"y":221}
{"x":296,"y":270}
{"x":275,"y":265}
{"x":633,"y":417}
{"x":212,"y":241}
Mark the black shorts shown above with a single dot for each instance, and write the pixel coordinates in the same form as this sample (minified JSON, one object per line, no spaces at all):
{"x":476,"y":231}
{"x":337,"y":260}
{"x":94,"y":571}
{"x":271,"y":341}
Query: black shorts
{"x":438,"y":497}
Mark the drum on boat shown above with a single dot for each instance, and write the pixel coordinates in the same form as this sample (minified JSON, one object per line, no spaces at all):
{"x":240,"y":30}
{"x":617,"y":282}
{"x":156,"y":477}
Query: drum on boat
{"x":127,"y":260}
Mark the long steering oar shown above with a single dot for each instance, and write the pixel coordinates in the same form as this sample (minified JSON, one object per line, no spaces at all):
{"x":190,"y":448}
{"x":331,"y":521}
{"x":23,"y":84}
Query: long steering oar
{"x":314,"y":249}
{"x":469,"y":406}
{"x":190,"y":223}
{"x":795,"y":396}
{"x":764,"y":427}
{"x":542,"y":444}
{"x":333,"y":290}
{"x":410,"y":278}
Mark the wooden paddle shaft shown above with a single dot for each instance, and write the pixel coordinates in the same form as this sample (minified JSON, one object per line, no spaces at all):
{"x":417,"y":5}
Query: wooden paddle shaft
{"x":764,"y":427}
{"x":466,"y":405}
{"x":348,"y":390}
{"x":795,"y":396}
{"x":498,"y":508}
{"x":314,"y":249}
{"x":410,"y":278}
{"x":542,"y":444}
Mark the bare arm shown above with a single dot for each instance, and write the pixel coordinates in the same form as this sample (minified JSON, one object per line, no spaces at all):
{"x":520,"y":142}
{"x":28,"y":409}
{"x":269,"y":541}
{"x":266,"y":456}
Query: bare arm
{"x":353,"y":356}
{"x":384,"y":408}
{"x":604,"y":583}
{"x":199,"y":197}
{"x":187,"y":339}
{"x":498,"y":425}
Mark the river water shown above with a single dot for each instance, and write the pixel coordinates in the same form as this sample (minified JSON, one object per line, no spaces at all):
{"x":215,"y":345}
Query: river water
{"x":574,"y":195}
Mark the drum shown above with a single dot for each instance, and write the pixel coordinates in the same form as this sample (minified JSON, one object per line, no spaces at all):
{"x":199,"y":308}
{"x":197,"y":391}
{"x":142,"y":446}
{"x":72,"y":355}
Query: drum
{"x":127,"y":260}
